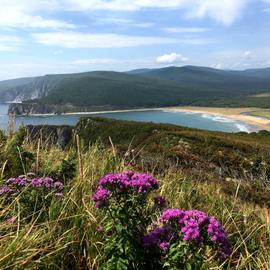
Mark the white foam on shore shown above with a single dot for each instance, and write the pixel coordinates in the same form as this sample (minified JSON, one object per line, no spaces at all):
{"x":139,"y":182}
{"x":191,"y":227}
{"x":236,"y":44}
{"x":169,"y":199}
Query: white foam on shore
{"x":183,"y":112}
{"x":241,"y":126}
{"x":217,"y":118}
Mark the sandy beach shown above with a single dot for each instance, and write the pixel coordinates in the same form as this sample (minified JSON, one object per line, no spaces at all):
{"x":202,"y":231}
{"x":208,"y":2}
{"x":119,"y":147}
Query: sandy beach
{"x":232,"y":113}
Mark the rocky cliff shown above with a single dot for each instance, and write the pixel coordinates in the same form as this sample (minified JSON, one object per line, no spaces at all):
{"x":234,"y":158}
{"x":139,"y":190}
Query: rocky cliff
{"x":59,"y":136}
{"x":32,"y":108}
{"x":28,"y":108}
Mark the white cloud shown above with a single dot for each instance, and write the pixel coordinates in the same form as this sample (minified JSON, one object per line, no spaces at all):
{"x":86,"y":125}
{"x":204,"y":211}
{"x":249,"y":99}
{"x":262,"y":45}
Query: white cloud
{"x":185,"y":29}
{"x":247,"y":53}
{"x":106,"y":40}
{"x":9,"y":43}
{"x":223,"y":11}
{"x":24,"y":14}
{"x":123,"y":22}
{"x":241,"y":59}
{"x":27,"y":13}
{"x":171,"y":58}
{"x":218,"y":66}
{"x":96,"y":61}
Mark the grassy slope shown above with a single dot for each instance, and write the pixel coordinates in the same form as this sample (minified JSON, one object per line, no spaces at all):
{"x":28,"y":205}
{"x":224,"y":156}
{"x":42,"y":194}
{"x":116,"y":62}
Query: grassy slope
{"x":203,"y":155}
{"x":68,"y":239}
{"x":263,"y":113}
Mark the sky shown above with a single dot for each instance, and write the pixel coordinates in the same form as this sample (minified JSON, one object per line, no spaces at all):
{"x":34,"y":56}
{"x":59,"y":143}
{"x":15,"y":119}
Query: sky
{"x":40,"y":37}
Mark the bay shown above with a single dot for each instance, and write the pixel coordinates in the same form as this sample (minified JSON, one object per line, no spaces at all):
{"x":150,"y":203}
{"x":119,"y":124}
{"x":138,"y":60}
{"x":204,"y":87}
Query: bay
{"x":187,"y":119}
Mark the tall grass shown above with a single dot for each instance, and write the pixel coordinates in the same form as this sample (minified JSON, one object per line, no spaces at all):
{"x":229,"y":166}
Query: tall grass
{"x":68,"y":238}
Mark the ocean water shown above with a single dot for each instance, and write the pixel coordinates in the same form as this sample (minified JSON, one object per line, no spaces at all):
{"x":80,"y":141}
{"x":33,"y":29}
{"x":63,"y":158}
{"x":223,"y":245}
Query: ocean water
{"x":188,"y":119}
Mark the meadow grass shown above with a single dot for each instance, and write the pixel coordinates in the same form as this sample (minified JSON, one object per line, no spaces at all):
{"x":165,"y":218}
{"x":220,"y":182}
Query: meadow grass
{"x":68,"y":238}
{"x":262,"y":113}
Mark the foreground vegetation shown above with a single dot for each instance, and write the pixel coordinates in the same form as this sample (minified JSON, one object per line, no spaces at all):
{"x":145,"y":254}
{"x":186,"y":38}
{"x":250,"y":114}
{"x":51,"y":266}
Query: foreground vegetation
{"x":64,"y":231}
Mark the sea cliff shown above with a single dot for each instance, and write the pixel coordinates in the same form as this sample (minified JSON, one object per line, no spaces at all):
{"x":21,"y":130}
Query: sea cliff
{"x":33,"y":108}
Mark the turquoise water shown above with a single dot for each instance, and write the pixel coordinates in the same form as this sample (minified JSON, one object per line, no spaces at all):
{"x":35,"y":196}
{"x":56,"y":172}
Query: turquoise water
{"x":194,"y":120}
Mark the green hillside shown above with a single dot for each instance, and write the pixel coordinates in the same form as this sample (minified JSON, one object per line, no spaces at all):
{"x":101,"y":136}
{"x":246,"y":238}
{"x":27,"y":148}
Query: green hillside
{"x":8,"y":84}
{"x":117,"y":90}
{"x":233,"y":82}
{"x":170,"y":86}
{"x":165,"y":87}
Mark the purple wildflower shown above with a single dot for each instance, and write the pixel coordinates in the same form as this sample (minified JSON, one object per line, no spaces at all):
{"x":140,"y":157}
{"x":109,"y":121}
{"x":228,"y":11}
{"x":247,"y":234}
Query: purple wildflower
{"x":58,"y":185}
{"x":17,"y":181}
{"x":101,"y":197}
{"x":37,"y":182}
{"x":171,"y":214}
{"x":192,"y":226}
{"x":219,"y":236}
{"x":157,"y":236}
{"x":139,"y":182}
{"x":59,"y":194}
{"x":164,"y":246}
{"x":48,"y":182}
{"x":160,"y":201}
{"x":5,"y":190}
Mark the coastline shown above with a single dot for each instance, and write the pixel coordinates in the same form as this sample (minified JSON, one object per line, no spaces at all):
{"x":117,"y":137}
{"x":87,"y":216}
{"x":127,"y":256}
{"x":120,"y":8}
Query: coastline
{"x":238,"y":114}
{"x":90,"y":113}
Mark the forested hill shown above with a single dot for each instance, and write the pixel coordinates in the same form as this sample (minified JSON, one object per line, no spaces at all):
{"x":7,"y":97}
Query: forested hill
{"x":169,"y":86}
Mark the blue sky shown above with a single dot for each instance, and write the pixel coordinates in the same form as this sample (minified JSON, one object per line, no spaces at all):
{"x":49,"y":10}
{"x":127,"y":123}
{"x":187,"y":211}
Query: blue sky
{"x":60,"y":36}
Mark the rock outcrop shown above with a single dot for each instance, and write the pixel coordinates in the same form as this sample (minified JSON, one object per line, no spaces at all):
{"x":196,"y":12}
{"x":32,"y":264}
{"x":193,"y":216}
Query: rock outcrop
{"x":59,"y":136}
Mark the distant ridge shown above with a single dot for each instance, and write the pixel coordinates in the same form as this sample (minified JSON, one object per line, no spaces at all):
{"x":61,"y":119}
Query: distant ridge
{"x":169,"y":86}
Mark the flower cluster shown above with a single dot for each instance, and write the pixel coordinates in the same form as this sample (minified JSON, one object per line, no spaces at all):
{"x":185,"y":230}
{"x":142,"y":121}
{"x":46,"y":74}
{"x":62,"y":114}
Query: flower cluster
{"x":192,"y":226}
{"x":5,"y":190}
{"x":124,"y":182}
{"x":21,"y":181}
{"x":47,"y":182}
{"x":17,"y":181}
{"x":101,"y":197}
{"x":158,"y":237}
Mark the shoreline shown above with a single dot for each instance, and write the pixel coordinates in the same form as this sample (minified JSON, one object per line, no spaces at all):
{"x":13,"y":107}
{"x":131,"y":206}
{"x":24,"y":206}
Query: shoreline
{"x":237,"y":114}
{"x":90,"y":113}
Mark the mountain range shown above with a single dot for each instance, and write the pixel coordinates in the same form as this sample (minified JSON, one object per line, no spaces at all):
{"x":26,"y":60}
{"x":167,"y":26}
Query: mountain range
{"x":170,"y":86}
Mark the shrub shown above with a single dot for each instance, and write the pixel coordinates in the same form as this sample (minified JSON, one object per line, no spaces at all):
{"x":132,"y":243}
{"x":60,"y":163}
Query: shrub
{"x":18,"y":159}
{"x":124,"y":197}
{"x":177,"y":240}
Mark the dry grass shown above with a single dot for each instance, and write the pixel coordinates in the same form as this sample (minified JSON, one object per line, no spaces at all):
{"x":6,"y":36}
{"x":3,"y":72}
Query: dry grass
{"x":69,"y":238}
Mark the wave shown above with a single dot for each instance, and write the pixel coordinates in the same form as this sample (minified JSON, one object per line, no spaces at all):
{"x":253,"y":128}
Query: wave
{"x":180,"y":112}
{"x":243,"y":127}
{"x":239,"y":125}
{"x":217,"y":118}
